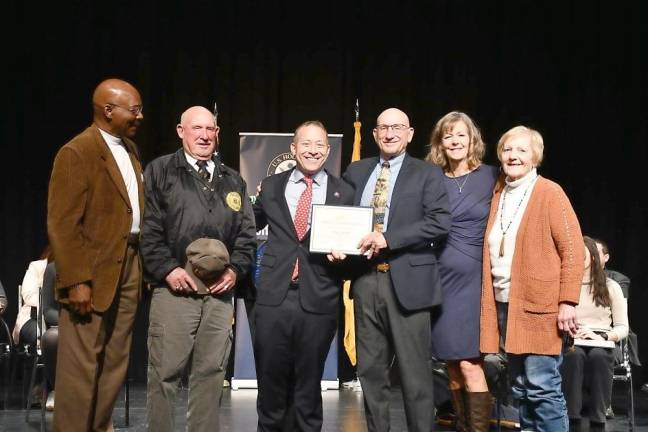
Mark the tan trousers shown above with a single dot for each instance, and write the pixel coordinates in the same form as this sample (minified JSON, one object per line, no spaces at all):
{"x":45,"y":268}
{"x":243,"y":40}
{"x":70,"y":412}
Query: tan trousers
{"x":93,"y":357}
{"x":194,"y":331}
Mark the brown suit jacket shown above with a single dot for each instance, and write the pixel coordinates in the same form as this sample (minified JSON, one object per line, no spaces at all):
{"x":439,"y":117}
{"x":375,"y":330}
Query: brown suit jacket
{"x":547,"y":269}
{"x":89,"y":215}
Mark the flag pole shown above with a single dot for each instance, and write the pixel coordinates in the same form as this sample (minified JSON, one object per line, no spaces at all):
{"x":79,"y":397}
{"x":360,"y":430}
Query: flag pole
{"x":349,"y":320}
{"x":355,"y":155}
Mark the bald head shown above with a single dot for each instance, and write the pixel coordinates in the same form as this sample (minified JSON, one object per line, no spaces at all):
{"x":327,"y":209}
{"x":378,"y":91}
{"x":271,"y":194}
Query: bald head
{"x":198,"y":132}
{"x":196,"y":111}
{"x":117,"y":107}
{"x":392,"y":133}
{"x":393,"y":116}
{"x":110,"y":89}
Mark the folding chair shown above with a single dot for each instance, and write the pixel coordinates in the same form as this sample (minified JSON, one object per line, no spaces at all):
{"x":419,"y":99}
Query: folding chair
{"x":6,"y":354}
{"x":36,"y":366}
{"x":496,"y":371}
{"x":623,"y":372}
{"x":27,"y":352}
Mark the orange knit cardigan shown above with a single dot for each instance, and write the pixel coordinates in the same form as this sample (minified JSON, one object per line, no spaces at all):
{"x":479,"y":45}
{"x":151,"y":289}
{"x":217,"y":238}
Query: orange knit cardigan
{"x":547,"y":269}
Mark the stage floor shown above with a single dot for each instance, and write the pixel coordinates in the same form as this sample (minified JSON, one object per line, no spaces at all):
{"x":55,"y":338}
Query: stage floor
{"x":343,"y":411}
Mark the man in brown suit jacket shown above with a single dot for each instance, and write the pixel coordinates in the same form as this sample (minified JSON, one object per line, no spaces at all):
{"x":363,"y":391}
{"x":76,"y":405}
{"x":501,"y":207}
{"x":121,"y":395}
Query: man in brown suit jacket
{"x":94,"y":216}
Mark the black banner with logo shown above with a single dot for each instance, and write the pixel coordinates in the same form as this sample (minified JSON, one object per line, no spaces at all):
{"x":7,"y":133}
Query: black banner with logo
{"x":262,"y":155}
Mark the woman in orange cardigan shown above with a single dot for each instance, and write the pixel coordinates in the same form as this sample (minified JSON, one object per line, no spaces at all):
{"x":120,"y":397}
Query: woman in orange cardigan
{"x":533,"y":266}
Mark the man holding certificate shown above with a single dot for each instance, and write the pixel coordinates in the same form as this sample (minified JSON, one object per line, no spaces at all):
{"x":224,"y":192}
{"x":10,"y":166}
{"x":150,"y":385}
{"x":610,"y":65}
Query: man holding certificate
{"x":400,"y":279}
{"x":297,"y":291}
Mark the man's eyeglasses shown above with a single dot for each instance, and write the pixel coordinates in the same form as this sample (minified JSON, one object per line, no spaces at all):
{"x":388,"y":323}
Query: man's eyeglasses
{"x":383,"y":128}
{"x":135,"y":109}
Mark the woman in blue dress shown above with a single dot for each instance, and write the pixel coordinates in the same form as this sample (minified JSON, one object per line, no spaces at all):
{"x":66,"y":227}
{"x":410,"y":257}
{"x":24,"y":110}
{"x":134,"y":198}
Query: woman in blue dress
{"x":457,"y":147}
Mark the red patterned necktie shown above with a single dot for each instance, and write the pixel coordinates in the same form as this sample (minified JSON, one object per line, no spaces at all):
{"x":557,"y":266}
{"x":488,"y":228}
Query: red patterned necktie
{"x":301,"y":217}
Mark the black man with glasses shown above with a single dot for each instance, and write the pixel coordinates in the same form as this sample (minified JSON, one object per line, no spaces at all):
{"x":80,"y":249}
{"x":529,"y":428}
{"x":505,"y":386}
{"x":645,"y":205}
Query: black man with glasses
{"x":399,"y":281}
{"x":95,"y":206}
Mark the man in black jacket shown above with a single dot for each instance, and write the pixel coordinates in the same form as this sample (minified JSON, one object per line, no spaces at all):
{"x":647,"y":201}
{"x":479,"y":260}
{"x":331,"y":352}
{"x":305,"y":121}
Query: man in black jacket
{"x":298,"y":292}
{"x":191,"y":196}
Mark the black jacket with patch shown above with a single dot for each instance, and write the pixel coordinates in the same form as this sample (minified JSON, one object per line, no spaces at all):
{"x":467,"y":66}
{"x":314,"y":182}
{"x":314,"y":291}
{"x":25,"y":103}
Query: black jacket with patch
{"x":181,"y":207}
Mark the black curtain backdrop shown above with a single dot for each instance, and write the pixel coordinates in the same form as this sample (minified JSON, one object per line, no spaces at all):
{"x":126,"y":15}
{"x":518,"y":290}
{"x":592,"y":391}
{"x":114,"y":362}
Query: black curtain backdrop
{"x":574,"y":70}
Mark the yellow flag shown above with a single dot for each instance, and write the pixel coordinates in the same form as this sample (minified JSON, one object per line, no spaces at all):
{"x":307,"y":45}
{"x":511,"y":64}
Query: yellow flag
{"x":349,"y":323}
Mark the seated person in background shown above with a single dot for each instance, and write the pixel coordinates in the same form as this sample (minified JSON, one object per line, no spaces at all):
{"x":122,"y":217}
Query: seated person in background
{"x":49,"y":340}
{"x":26,"y":329}
{"x":620,"y":278}
{"x":602,"y":315}
{"x":3,"y":299}
{"x":624,"y":283}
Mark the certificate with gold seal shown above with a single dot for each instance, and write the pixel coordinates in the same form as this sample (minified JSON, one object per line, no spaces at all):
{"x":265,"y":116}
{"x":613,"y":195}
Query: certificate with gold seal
{"x":339,"y":228}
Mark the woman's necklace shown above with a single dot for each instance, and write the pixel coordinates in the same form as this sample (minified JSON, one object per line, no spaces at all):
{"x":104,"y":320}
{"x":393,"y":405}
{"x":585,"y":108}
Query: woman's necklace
{"x":504,"y":231}
{"x":460,"y":186}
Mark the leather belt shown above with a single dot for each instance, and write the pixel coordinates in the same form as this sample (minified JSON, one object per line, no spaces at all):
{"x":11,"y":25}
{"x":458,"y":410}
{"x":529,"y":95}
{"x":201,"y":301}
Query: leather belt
{"x":382,"y":267}
{"x":133,"y":239}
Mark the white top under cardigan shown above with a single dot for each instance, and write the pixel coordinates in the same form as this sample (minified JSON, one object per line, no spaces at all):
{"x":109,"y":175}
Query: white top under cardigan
{"x":501,"y":265}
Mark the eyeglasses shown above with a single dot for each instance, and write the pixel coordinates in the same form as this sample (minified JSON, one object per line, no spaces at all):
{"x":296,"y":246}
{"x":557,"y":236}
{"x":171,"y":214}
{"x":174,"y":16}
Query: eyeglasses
{"x":383,"y":128}
{"x":135,"y":109}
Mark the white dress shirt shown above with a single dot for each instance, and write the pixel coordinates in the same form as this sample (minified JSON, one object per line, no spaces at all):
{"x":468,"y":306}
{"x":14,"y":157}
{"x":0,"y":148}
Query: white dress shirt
{"x":119,"y":152}
{"x":210,"y":164}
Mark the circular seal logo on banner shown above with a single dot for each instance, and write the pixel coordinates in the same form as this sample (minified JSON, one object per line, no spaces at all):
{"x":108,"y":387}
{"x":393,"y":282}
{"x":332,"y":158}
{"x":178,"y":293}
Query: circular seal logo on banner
{"x":280,"y":163}
{"x":233,"y":200}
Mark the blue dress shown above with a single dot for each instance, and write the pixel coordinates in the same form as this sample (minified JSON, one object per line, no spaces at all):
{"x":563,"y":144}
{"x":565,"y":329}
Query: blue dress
{"x":455,"y":323}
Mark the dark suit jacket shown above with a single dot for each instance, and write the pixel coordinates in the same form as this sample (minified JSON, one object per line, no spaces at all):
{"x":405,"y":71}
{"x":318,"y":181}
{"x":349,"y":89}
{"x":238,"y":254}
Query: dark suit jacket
{"x":633,"y":342}
{"x":320,"y":282}
{"x":89,"y":215}
{"x":418,"y":218}
{"x":621,"y":279}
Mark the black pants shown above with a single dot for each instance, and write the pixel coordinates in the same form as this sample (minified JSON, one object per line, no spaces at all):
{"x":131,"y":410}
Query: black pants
{"x":49,"y":343}
{"x":290,"y":349}
{"x":385,"y":329}
{"x":591,"y":369}
{"x":28,"y":332}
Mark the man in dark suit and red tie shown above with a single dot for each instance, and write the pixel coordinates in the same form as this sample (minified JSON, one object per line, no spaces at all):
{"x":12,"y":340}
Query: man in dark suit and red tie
{"x":298,"y":292}
{"x":400,"y":280}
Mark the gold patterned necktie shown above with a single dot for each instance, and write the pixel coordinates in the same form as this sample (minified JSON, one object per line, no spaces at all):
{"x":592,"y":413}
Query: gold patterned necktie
{"x":380,"y":195}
